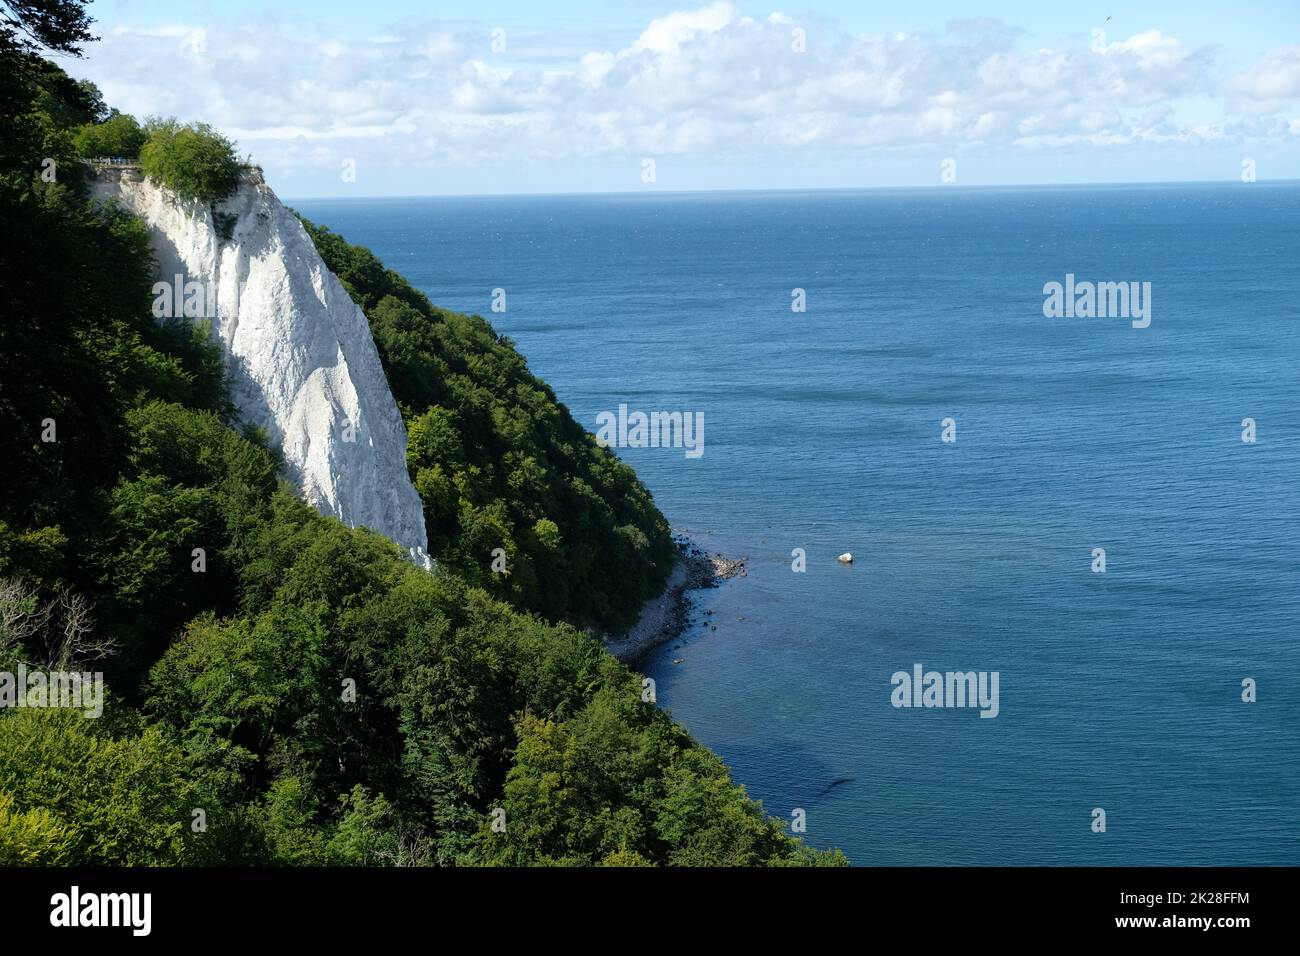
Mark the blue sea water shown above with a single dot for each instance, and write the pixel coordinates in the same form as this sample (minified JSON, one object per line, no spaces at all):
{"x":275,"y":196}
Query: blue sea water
{"x":1120,"y":690}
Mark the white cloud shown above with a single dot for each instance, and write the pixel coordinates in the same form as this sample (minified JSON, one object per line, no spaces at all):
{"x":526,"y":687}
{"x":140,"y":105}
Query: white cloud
{"x":697,"y":82}
{"x":1270,"y":85}
{"x":667,"y":34}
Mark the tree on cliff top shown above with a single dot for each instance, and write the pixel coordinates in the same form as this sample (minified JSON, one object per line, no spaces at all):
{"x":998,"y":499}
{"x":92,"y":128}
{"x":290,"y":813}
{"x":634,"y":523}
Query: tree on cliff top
{"x":194,"y":161}
{"x":119,"y":135}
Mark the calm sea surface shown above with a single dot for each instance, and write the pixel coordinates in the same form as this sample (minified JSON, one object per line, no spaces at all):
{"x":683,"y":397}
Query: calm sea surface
{"x":822,"y":432}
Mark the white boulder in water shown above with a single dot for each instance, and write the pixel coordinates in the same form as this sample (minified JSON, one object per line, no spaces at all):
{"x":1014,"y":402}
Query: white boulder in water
{"x":845,"y":558}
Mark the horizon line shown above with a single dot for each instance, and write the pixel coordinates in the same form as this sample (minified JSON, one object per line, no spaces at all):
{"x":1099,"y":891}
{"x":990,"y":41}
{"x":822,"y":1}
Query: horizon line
{"x":794,"y":189}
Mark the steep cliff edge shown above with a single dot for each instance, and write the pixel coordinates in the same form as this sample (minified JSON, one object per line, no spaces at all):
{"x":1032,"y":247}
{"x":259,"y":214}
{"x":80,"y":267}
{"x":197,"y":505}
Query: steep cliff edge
{"x":301,"y":361}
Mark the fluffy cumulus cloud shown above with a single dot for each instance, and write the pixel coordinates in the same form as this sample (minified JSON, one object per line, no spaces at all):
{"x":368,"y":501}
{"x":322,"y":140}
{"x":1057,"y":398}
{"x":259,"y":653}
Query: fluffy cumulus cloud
{"x":706,"y":81}
{"x":1270,"y":86}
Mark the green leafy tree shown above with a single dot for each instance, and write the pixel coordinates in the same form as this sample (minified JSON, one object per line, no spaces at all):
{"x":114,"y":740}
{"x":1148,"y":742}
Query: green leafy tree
{"x":30,"y":26}
{"x":119,"y":135}
{"x":500,"y":463}
{"x":107,"y":799}
{"x":194,"y":161}
{"x":32,"y":837}
{"x":317,"y":696}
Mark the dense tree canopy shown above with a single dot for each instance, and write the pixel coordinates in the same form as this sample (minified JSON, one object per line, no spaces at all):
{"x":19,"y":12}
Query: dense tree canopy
{"x":304,"y":695}
{"x":30,"y":26}
{"x":118,"y":136}
{"x":194,"y":161}
{"x":500,"y":463}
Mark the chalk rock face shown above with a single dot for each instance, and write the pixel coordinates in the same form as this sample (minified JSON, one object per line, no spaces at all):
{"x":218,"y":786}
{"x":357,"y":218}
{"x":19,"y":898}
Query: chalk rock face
{"x":300,"y":357}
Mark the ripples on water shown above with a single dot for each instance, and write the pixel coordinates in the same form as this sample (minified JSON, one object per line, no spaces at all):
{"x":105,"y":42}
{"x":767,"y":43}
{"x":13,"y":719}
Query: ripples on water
{"x":1119,"y":691}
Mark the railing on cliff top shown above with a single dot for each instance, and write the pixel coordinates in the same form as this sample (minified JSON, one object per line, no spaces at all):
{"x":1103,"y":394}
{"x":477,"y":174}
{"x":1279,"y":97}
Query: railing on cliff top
{"x":124,"y":162}
{"x":118,"y":161}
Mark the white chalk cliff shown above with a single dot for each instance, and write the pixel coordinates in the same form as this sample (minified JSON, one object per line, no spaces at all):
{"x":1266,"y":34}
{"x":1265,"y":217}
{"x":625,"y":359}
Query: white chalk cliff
{"x":301,"y":361}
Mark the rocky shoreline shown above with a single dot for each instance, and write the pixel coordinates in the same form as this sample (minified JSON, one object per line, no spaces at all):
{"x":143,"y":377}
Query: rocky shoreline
{"x":663,"y":618}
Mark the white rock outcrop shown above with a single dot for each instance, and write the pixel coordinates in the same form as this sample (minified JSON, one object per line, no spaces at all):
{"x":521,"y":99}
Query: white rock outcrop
{"x":301,"y":360}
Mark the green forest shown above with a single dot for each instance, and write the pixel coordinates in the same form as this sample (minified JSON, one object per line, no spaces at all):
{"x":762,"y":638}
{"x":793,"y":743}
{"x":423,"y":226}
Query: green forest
{"x":300,"y":693}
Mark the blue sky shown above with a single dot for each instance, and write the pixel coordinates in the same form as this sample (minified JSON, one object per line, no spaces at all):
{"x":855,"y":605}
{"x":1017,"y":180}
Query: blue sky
{"x":405,"y":98}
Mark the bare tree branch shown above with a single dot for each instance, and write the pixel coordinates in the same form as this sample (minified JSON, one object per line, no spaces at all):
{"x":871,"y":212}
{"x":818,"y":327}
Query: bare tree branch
{"x":21,"y":614}
{"x":64,"y":626}
{"x":74,"y":640}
